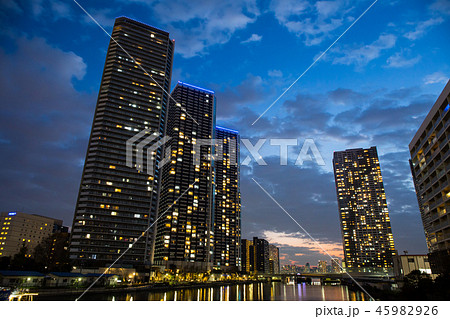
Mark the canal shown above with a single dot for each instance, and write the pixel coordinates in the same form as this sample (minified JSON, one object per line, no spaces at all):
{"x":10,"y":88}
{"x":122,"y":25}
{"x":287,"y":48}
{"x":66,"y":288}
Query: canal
{"x":235,"y":292}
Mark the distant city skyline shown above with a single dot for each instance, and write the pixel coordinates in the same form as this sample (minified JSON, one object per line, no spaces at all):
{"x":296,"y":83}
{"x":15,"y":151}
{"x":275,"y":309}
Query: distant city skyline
{"x":374,"y":87}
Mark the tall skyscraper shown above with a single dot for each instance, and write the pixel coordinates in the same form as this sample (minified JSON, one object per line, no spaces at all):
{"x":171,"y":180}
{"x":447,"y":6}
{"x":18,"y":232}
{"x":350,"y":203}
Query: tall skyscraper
{"x":184,"y":237}
{"x":227,"y":206}
{"x":274,"y":259}
{"x":365,"y":224}
{"x":261,"y":249}
{"x":247,"y":256}
{"x":117,"y":203}
{"x":430,"y":158}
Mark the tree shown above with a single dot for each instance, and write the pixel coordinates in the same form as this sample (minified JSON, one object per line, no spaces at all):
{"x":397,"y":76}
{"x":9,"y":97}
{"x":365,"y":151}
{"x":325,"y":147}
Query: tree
{"x":21,"y":261}
{"x":418,"y":286}
{"x":52,"y":253}
{"x":5,"y":262}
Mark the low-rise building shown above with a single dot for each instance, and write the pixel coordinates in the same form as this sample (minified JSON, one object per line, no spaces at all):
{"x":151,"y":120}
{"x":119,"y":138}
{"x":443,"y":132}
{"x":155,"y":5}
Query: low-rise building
{"x":65,"y":279}
{"x":25,"y":230}
{"x":404,"y":264}
{"x":13,"y":278}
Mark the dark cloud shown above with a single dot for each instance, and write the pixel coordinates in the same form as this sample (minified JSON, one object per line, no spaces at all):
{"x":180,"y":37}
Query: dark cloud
{"x":343,"y":96}
{"x":44,"y":128}
{"x":250,"y":92}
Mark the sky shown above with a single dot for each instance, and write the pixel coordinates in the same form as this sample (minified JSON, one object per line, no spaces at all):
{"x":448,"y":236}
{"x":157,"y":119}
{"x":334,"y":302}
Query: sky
{"x":373,"y":87}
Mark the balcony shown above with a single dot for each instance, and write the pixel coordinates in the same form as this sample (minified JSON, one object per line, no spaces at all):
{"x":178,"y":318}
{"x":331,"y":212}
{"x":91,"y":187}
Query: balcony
{"x":440,"y":226}
{"x":436,"y":203}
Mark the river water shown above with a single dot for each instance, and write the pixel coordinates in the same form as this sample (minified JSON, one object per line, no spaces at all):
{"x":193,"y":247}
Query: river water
{"x":239,"y":292}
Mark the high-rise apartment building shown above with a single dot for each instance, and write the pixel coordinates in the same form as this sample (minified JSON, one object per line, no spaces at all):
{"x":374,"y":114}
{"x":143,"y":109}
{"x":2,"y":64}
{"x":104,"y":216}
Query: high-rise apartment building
{"x":261,"y":250}
{"x":365,"y":224}
{"x":20,"y":229}
{"x":227,"y":201}
{"x":274,"y":259}
{"x":117,"y":203}
{"x":184,"y":237}
{"x":430,"y":166}
{"x":247,"y":256}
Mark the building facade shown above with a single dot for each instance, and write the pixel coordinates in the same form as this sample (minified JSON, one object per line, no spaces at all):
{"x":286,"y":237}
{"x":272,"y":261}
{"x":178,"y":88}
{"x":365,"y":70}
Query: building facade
{"x":117,"y":203}
{"x":247,"y":256}
{"x":404,"y":264}
{"x":430,"y":166}
{"x":25,"y":230}
{"x":184,"y":236}
{"x":227,"y":201}
{"x":274,"y":259}
{"x":366,"y":229}
{"x":261,"y":259}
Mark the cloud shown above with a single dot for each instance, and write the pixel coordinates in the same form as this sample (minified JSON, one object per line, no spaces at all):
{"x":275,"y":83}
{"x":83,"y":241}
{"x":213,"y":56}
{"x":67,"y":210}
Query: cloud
{"x":40,"y":9}
{"x":422,"y":28}
{"x":436,"y":77}
{"x":300,"y":240}
{"x":275,"y":73}
{"x":254,"y":38}
{"x":45,"y":123}
{"x":203,"y":24}
{"x":249,"y":92}
{"x":441,"y":7}
{"x":327,"y":9}
{"x":61,"y":10}
{"x":105,"y":17}
{"x":12,"y":5}
{"x":314,"y":23}
{"x":362,"y":55}
{"x":343,"y":96}
{"x":306,"y":112}
{"x":399,"y":60}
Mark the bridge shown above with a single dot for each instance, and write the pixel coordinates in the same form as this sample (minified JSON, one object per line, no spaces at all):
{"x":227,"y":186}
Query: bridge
{"x":331,"y":278}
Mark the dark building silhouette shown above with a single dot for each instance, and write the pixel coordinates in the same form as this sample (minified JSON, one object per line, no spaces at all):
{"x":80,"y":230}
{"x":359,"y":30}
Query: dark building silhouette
{"x":365,"y":224}
{"x":117,"y":203}
{"x":227,"y":208}
{"x":430,"y":167}
{"x":184,"y":237}
{"x":261,"y":249}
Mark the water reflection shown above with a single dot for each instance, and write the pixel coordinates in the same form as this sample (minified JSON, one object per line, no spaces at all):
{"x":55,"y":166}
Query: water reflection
{"x":244,"y":292}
